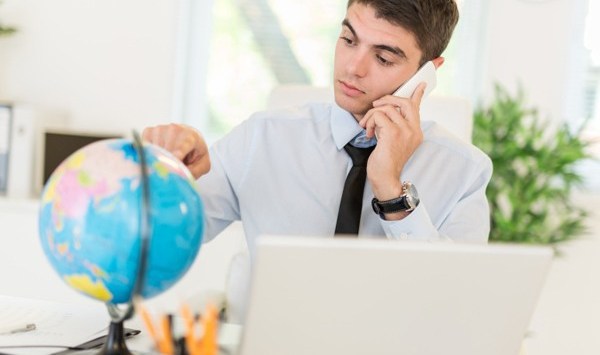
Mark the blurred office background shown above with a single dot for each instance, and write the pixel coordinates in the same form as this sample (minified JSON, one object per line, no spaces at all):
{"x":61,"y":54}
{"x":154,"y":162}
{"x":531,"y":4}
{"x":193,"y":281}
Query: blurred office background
{"x":113,"y":65}
{"x":211,"y":63}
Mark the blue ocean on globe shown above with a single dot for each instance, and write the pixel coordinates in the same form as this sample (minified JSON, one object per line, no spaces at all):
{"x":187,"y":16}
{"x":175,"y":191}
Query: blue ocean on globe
{"x":89,"y":220}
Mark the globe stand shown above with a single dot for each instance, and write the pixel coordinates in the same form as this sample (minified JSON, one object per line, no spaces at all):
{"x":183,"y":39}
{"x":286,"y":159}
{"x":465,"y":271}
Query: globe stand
{"x":115,"y":341}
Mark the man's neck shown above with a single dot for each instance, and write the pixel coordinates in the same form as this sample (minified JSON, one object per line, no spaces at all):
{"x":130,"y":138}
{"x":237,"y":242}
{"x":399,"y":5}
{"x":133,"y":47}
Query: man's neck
{"x":357,"y":117}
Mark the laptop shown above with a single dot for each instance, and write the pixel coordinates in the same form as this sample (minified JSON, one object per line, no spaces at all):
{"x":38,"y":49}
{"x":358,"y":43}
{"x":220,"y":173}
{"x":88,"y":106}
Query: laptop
{"x":372,"y":296}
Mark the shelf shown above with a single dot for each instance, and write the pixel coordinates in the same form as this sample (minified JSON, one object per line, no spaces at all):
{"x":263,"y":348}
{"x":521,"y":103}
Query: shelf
{"x":10,"y":205}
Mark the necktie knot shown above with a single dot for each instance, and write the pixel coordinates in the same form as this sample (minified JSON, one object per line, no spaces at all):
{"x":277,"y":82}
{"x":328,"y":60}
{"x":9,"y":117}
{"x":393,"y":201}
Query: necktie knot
{"x":359,"y":156}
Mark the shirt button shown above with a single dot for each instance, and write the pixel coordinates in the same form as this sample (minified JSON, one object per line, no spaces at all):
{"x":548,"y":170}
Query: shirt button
{"x":403,"y":236}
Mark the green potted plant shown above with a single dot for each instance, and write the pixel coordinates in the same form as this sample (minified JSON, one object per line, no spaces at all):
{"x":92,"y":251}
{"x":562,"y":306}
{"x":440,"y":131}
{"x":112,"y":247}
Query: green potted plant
{"x":5,"y":30}
{"x":534,"y":172}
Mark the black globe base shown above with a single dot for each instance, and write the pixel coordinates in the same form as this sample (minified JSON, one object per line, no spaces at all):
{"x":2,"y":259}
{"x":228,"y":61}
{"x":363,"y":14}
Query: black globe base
{"x":115,"y":341}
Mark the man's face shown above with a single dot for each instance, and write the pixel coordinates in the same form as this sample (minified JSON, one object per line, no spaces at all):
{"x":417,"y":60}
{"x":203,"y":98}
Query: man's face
{"x":372,"y":59}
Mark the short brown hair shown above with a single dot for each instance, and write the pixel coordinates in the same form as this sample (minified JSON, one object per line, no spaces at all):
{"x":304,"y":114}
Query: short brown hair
{"x":431,"y":21}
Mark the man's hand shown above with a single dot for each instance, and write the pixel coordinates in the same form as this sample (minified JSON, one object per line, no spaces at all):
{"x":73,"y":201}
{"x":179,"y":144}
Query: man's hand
{"x":184,"y":142}
{"x":396,"y":123}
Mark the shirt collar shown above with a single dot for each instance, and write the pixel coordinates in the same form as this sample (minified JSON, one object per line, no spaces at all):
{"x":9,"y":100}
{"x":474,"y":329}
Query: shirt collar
{"x":344,"y":126}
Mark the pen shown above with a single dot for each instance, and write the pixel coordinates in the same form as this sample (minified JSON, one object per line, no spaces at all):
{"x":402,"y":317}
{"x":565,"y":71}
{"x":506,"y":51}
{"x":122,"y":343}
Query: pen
{"x":18,"y":329}
{"x":188,"y":321}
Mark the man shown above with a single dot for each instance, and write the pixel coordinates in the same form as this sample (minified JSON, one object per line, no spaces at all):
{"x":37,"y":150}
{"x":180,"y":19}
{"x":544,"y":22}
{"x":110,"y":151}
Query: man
{"x":284,"y":172}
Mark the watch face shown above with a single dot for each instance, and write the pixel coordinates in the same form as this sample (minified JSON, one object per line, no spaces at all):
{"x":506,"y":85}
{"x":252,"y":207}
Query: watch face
{"x":412,"y":196}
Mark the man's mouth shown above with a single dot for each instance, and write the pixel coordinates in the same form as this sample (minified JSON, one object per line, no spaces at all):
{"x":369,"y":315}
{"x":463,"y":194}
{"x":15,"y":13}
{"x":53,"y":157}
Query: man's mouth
{"x":350,"y":89}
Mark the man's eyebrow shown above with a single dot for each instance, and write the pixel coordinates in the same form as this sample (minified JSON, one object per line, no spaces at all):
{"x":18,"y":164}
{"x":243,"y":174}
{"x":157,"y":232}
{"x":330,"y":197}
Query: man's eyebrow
{"x":392,"y":49}
{"x":347,"y":24}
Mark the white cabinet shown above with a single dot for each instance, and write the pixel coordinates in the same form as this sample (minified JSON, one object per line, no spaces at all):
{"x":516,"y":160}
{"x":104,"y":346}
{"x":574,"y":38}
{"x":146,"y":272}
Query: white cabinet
{"x":24,"y":270}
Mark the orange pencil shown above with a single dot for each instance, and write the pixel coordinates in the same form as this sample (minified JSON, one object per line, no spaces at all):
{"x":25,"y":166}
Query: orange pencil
{"x":208,"y":345}
{"x":166,"y":341}
{"x":148,"y":323}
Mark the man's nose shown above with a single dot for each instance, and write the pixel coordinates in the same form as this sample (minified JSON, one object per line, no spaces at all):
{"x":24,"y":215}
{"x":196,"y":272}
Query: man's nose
{"x":358,"y":64}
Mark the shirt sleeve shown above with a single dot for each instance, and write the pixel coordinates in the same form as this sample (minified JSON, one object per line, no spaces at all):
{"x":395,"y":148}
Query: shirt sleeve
{"x":219,"y":187}
{"x":467,"y":220}
{"x":221,"y":207}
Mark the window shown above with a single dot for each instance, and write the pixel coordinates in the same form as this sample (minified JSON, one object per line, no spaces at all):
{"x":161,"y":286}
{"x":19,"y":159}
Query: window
{"x":592,"y":83}
{"x":257,"y":44}
{"x":591,"y":94}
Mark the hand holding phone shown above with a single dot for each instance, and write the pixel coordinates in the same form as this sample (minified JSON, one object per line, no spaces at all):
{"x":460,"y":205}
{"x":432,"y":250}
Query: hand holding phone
{"x":397,"y":139}
{"x":425,"y":74}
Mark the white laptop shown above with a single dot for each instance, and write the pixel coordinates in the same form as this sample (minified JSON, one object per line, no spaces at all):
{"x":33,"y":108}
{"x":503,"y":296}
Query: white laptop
{"x":331,"y":296}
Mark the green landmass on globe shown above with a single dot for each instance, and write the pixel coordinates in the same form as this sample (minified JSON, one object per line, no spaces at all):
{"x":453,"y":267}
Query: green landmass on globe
{"x":89,"y":220}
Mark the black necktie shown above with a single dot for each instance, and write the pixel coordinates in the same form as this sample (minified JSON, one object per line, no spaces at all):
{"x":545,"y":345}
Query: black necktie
{"x":348,"y":219}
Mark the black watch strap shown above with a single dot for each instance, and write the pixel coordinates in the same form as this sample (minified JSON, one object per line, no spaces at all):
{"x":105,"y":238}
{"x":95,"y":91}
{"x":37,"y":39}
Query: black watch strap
{"x":398,"y":204}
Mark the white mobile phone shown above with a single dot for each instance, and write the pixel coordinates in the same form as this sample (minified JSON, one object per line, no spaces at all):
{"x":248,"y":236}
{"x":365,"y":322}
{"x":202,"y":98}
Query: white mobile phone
{"x":425,"y":74}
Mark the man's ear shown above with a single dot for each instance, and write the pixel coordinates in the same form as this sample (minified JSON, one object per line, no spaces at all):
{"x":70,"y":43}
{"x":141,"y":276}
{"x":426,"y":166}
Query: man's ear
{"x":437,"y":62}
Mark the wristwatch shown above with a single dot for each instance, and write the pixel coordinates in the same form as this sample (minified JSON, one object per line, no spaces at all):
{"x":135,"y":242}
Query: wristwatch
{"x":408,"y":201}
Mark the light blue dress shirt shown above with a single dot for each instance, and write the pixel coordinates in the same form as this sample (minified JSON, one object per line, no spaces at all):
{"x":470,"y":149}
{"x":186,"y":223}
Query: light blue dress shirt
{"x":282,"y":173}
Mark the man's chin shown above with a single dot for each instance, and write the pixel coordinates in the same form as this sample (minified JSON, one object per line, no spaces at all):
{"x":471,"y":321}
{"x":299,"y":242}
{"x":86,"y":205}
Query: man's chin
{"x":357,"y":109}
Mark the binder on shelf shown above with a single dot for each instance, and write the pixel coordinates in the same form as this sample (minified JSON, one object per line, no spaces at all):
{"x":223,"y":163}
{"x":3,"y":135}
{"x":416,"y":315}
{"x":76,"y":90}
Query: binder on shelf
{"x":5,"y":145}
{"x":21,"y":166}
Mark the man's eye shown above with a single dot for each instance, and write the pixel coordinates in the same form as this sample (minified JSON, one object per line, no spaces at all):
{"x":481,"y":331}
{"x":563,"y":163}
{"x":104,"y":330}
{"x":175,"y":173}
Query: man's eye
{"x":383,"y":61}
{"x":346,"y":39}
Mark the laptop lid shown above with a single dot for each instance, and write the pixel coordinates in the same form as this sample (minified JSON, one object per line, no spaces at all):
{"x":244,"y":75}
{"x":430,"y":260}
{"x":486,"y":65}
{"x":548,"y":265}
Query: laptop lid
{"x":366,"y":296}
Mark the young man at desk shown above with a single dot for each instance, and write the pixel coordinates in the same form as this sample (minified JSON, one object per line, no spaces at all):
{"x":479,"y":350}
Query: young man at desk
{"x":290,"y":172}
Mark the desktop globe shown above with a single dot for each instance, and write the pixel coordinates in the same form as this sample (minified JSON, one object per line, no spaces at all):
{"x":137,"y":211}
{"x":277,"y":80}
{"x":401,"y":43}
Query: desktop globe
{"x":93,"y":213}
{"x":120,"y":221}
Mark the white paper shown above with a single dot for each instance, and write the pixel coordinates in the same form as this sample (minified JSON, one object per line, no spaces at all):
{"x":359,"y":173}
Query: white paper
{"x":56,"y":324}
{"x":4,"y":129}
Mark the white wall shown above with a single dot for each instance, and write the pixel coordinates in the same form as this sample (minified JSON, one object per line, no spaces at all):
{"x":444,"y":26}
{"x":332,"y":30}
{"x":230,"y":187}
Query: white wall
{"x":531,"y":42}
{"x":107,"y":65}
